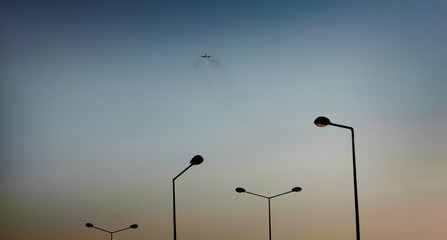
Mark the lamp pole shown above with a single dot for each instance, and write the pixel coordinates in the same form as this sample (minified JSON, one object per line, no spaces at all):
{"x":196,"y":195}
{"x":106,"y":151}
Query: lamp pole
{"x":196,"y":160}
{"x":242,"y":190}
{"x":133,"y":226}
{"x":323,"y":122}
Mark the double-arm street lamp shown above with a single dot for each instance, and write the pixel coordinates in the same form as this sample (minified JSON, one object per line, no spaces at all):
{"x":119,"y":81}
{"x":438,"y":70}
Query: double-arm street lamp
{"x":242,"y":190}
{"x":196,"y":160}
{"x":133,"y":226}
{"x":323,"y":122}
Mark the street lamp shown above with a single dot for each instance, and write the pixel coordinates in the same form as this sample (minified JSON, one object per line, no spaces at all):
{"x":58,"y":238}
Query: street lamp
{"x":323,"y":122}
{"x":133,"y":226}
{"x":242,"y":190}
{"x":196,"y":160}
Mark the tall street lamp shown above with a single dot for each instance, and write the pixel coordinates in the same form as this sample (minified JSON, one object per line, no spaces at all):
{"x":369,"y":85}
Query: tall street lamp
{"x":133,"y":226}
{"x":323,"y":122}
{"x":242,"y":190}
{"x":196,"y":160}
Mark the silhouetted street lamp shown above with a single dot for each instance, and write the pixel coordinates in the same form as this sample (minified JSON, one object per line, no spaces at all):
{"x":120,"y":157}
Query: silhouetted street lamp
{"x":196,"y":160}
{"x":133,"y":226}
{"x":323,"y":122}
{"x":242,"y":190}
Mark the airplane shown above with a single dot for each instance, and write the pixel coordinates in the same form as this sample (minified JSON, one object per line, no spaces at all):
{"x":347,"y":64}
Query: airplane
{"x":206,"y":56}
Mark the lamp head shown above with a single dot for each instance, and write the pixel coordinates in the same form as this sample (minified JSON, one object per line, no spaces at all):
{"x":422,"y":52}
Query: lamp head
{"x":296,"y":189}
{"x":322,"y":121}
{"x":240,"y":190}
{"x":134,"y":226}
{"x":89,"y":225}
{"x":196,"y":160}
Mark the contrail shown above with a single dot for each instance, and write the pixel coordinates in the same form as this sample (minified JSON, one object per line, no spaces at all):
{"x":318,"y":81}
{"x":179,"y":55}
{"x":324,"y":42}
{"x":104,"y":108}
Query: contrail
{"x":212,"y":69}
{"x":223,"y":77}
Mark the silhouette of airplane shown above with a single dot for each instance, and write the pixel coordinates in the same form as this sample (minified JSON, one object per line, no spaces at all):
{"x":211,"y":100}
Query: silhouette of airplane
{"x":206,"y":56}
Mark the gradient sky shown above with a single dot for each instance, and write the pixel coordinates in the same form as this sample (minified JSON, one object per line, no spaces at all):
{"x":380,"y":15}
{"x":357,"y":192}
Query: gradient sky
{"x":103,"y":102}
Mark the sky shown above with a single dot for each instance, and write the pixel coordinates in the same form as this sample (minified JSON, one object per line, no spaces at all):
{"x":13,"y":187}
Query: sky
{"x":103,"y":102}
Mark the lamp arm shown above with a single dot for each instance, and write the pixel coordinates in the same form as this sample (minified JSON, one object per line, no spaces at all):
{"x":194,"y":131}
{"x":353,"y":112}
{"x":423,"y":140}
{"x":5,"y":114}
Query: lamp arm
{"x":102,"y":229}
{"x":342,"y":126}
{"x":280,"y":194}
{"x":257,"y":194}
{"x":121,"y":230}
{"x":181,"y":172}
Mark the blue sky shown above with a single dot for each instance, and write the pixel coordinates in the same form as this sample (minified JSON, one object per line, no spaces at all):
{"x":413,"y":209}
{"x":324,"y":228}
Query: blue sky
{"x":104,"y":102}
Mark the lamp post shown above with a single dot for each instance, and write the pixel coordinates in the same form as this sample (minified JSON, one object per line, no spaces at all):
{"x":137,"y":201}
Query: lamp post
{"x":242,"y":190}
{"x":133,"y":226}
{"x":323,"y":122}
{"x":196,"y":160}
